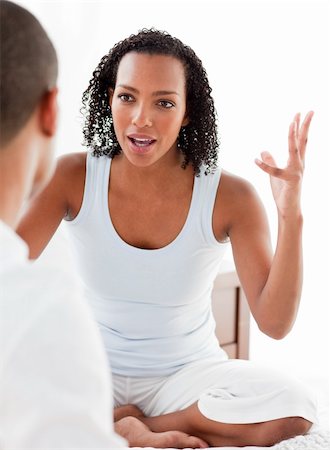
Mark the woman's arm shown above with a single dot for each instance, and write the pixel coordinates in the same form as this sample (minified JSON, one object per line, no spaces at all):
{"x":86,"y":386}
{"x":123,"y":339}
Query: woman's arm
{"x":61,"y":198}
{"x":272,"y":283}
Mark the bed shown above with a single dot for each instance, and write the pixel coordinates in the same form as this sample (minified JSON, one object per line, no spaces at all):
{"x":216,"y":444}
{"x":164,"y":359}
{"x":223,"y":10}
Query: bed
{"x":316,"y":439}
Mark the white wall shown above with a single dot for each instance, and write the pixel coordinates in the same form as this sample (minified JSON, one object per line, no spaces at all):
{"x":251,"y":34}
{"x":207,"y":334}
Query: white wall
{"x":266,"y":60}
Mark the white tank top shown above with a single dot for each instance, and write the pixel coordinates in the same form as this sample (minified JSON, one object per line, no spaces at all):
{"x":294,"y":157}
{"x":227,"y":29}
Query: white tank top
{"x":153,"y":307}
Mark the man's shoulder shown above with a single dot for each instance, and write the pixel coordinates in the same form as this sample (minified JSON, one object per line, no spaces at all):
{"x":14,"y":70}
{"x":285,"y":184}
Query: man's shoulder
{"x":25,"y":282}
{"x":13,"y":250}
{"x":37,"y":302}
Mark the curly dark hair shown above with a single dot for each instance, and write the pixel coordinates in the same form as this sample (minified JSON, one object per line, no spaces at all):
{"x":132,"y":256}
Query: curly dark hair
{"x":198,"y":140}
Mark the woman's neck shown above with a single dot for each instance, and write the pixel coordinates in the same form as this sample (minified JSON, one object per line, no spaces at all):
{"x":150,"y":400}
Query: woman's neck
{"x":152,"y":178}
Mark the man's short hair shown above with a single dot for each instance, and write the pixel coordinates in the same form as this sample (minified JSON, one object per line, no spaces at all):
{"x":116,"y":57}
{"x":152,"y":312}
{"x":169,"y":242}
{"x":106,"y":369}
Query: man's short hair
{"x":28,"y":67}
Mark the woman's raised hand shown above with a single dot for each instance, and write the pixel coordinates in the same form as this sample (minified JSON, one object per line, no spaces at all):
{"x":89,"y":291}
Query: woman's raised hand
{"x":286,"y":183}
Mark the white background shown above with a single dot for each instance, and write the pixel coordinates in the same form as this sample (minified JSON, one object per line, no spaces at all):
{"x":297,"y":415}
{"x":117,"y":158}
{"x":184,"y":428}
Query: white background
{"x":265,"y":60}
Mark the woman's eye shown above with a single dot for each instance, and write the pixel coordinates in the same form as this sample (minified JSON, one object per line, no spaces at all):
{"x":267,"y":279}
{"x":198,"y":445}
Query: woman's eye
{"x":166,"y":104}
{"x":125,"y":98}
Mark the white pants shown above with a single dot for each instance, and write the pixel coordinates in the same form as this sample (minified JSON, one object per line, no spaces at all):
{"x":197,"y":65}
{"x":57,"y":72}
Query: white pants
{"x":230,"y":391}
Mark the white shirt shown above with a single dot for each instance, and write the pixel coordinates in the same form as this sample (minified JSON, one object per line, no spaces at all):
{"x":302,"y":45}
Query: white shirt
{"x":55,"y":385}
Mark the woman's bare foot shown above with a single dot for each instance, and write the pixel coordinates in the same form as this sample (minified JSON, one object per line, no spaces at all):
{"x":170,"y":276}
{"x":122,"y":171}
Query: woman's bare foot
{"x":125,"y":411}
{"x":139,"y":435}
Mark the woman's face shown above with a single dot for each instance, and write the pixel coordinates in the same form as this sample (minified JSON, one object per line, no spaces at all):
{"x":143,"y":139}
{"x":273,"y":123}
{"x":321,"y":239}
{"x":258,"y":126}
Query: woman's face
{"x":148,"y":106}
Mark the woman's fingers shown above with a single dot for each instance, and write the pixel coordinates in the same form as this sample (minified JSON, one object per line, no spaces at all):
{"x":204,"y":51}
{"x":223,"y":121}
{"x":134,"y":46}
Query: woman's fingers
{"x":297,"y":138}
{"x":297,"y":120}
{"x":268,"y":165}
{"x":292,"y":140}
{"x":303,"y":134}
{"x":268,"y":159}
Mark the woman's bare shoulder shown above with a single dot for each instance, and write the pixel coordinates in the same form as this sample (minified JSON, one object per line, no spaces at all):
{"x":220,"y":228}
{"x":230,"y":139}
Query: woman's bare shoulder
{"x":72,"y":164}
{"x":69,"y":173}
{"x":69,"y":179}
{"x":233,"y":187}
{"x":236,"y":202}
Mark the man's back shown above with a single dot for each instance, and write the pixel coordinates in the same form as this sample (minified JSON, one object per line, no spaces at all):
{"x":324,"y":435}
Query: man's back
{"x":54,"y":379}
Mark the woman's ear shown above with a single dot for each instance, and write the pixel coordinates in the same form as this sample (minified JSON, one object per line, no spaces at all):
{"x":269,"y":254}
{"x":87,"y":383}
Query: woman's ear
{"x":110,"y":93}
{"x":185,"y":121}
{"x":49,"y":112}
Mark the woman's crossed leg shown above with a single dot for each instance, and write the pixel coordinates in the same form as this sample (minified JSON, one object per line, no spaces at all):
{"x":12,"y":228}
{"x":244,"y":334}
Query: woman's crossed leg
{"x":217,"y":434}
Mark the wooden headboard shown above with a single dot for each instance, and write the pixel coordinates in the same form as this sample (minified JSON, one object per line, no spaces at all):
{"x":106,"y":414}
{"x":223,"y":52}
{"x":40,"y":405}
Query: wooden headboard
{"x":231,"y":313}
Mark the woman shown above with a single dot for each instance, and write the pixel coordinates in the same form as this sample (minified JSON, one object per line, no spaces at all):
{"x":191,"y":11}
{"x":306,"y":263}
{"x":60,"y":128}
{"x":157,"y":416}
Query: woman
{"x":149,"y":215}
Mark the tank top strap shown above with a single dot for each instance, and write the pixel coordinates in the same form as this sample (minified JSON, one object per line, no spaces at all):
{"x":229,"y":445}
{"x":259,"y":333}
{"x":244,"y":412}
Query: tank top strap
{"x":96,"y":180}
{"x":208,"y":187}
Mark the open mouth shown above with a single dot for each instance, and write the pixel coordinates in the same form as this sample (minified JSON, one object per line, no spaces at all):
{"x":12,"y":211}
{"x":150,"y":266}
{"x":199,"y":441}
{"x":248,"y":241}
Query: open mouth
{"x":142,"y":143}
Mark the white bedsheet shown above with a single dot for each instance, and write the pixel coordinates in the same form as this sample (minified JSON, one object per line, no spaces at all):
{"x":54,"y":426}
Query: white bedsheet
{"x":317,"y":439}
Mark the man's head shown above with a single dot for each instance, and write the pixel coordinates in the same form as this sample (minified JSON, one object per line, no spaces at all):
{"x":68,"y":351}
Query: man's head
{"x":28,"y":68}
{"x":28,"y":109}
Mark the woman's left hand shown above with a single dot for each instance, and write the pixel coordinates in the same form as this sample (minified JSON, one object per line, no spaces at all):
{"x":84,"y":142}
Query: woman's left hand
{"x":286,"y":183}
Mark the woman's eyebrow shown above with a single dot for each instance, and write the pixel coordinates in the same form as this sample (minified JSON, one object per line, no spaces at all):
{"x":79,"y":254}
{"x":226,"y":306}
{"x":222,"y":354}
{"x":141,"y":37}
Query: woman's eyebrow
{"x":164,"y":93}
{"x":156,"y":93}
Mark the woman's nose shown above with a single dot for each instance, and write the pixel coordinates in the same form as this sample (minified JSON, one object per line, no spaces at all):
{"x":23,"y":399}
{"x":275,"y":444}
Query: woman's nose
{"x":142,"y":118}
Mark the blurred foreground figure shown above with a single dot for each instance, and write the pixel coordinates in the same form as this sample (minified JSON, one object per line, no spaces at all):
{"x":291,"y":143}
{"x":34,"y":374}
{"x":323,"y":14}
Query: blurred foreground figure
{"x":55,"y":388}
